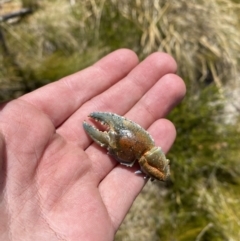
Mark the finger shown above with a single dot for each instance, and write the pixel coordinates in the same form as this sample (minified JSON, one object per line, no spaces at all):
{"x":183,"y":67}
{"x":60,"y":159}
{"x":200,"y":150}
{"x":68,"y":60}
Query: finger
{"x":155,"y":104}
{"x":121,"y":186}
{"x":158,"y":101}
{"x":120,"y":97}
{"x":62,"y":98}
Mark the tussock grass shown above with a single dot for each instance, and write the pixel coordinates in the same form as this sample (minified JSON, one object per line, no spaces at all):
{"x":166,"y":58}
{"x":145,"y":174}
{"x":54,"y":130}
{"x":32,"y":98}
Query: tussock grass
{"x":201,"y":35}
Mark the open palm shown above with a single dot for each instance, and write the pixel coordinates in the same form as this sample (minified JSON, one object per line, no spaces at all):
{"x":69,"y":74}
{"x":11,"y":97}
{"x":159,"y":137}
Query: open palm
{"x":55,"y":184}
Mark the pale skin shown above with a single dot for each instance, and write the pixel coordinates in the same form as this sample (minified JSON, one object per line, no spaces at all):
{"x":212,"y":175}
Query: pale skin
{"x":55,"y":184}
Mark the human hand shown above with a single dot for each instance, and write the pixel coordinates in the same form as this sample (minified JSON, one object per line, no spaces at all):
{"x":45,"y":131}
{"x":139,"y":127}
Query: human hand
{"x":55,"y":184}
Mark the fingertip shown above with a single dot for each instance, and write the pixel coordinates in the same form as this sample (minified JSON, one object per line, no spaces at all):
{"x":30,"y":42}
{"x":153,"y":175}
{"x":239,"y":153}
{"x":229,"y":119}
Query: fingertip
{"x":164,"y":61}
{"x":176,"y":84}
{"x":126,"y":59}
{"x":164,"y":133}
{"x":126,"y":53}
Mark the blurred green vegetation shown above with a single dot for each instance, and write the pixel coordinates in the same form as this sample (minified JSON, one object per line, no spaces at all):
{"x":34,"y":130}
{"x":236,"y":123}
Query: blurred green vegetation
{"x":204,"y":189}
{"x":201,"y":201}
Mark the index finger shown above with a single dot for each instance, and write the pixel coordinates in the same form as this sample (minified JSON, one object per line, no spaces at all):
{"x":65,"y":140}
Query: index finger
{"x":61,"y":99}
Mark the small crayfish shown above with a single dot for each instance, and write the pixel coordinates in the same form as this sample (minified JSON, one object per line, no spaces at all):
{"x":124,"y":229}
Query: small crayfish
{"x":128,"y":142}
